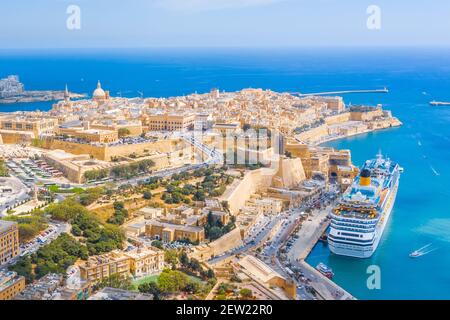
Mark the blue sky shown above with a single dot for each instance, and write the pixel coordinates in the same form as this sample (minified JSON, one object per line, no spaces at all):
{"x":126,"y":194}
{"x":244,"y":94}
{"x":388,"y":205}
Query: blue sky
{"x":217,"y":23}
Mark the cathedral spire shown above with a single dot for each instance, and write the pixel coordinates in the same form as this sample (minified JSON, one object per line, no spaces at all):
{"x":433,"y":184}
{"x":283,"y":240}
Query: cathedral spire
{"x":66,"y":94}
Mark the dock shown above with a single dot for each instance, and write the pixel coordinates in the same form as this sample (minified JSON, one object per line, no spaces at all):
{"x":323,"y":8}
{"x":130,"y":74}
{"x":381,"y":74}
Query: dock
{"x":329,"y":93}
{"x":308,"y":237}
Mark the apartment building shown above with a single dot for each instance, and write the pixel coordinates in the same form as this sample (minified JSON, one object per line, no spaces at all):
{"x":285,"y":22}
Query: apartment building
{"x":10,"y":285}
{"x":9,"y":240}
{"x":36,"y":126}
{"x":145,"y":261}
{"x":169,"y":122}
{"x":138,"y":262}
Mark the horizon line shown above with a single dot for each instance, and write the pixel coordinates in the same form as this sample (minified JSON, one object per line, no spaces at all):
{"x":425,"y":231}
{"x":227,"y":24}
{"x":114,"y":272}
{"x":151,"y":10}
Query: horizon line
{"x":363,"y":46}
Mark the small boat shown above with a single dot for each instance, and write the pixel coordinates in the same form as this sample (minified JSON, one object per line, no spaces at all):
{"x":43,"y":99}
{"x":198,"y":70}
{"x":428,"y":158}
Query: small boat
{"x":325,"y":270}
{"x":415,"y":254}
{"x":420,"y":252}
{"x":439,"y":103}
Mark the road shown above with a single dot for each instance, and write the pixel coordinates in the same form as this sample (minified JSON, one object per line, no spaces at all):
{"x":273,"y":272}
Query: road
{"x":18,"y":195}
{"x":250,"y":243}
{"x":214,"y":157}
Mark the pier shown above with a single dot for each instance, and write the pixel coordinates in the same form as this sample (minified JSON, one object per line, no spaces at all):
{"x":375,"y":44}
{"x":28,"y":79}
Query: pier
{"x":329,"y":93}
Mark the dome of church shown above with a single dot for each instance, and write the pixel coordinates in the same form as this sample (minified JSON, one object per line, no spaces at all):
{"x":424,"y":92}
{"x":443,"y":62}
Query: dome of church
{"x":99,"y":93}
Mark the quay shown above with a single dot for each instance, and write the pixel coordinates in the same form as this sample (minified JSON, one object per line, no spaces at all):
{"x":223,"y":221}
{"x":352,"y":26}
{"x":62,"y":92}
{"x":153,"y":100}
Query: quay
{"x":309,"y":235}
{"x":384,"y":90}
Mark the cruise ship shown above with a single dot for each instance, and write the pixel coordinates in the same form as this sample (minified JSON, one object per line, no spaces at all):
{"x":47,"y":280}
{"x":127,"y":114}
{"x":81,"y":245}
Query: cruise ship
{"x":359,"y":219}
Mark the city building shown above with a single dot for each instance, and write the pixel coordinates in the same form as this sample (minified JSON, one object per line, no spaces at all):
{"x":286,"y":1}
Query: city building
{"x":99,"y":95}
{"x":335,"y":104}
{"x":145,"y":261}
{"x":54,"y":287}
{"x":88,"y":134}
{"x":42,"y":289}
{"x":12,"y":126}
{"x":150,"y":212}
{"x":9,"y":240}
{"x":11,"y":285}
{"x":104,"y":266}
{"x":269,"y":205}
{"x":169,"y":122}
{"x":137,"y":262}
{"x":334,"y":165}
{"x":169,"y":232}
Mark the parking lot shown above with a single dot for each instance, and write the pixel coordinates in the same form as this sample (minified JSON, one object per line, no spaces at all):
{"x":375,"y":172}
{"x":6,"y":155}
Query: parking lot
{"x":31,"y":170}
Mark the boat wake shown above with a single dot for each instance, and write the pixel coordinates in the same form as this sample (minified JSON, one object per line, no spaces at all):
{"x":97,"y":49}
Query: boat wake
{"x":422,"y":251}
{"x":434,"y":171}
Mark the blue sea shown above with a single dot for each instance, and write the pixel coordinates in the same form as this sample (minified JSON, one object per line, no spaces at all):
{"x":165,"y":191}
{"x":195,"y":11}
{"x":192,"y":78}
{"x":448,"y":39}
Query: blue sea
{"x":422,"y":145}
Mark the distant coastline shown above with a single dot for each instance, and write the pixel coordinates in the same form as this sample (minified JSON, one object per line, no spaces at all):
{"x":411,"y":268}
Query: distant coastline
{"x":38,"y":96}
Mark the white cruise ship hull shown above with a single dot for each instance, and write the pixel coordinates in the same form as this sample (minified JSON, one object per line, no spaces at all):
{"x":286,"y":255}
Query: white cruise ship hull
{"x":346,"y":248}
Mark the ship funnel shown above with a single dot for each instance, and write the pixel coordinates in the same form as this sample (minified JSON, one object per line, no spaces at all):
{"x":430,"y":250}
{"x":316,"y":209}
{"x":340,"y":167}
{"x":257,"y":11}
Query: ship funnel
{"x":364,"y":178}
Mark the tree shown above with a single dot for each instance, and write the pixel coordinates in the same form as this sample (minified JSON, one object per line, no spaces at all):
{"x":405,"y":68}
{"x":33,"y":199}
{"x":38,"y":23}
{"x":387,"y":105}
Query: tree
{"x":65,"y":210}
{"x":246,"y":293}
{"x":158,"y":244}
{"x":23,"y":267}
{"x":195,"y":265}
{"x":214,"y":233}
{"x":152,"y":288}
{"x":210,"y":274}
{"x":115,"y":281}
{"x":3,"y":169}
{"x":147,"y":195}
{"x":225,"y":205}
{"x":191,"y":287}
{"x":91,"y":195}
{"x":120,"y":213}
{"x":184,"y":259}
{"x":171,"y":281}
{"x":54,"y":257}
{"x":171,"y":257}
{"x":123,"y":132}
{"x":199,"y":196}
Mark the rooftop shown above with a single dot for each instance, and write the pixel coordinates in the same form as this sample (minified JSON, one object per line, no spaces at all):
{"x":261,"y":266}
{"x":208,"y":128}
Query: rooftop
{"x":6,"y":225}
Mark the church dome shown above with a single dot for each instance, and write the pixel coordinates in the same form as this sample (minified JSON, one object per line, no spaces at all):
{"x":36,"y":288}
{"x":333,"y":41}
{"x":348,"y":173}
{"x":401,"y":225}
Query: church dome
{"x":99,"y":93}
